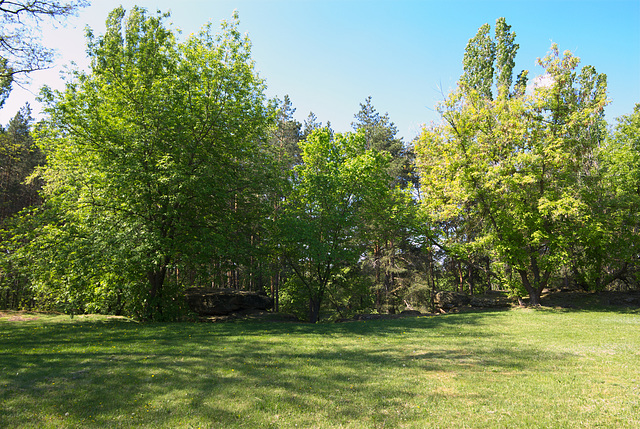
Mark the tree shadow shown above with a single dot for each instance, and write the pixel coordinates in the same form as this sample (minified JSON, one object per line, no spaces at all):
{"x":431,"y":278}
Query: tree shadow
{"x":118,"y":373}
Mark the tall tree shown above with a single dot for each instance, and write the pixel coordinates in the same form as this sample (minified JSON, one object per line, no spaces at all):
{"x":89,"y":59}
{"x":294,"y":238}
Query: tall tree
{"x":614,"y":256}
{"x":311,"y":124}
{"x":155,"y":157}
{"x":387,"y":233}
{"x":19,"y":156}
{"x":488,"y":64}
{"x":478,"y":62}
{"x":381,"y":134}
{"x":517,"y":167}
{"x":287,"y":133}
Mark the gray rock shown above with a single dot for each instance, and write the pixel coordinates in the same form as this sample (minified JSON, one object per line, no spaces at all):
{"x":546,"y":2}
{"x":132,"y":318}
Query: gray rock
{"x":448,"y":300}
{"x":217,"y":302}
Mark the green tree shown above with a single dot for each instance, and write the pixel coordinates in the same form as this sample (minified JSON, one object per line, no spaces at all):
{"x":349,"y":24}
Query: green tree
{"x":311,"y":124}
{"x":387,"y":223}
{"x":515,"y":169}
{"x":19,"y":156}
{"x":156,"y":160}
{"x":488,"y":69}
{"x":488,"y":64}
{"x":324,"y":218}
{"x":287,"y":133}
{"x":614,"y":255}
{"x":381,"y":134}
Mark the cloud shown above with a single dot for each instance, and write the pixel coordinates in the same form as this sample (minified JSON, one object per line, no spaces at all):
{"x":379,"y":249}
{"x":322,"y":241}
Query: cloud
{"x":542,"y":81}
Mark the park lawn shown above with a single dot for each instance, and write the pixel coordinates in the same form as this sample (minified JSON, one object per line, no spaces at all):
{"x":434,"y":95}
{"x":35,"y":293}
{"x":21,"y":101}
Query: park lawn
{"x":515,"y":368}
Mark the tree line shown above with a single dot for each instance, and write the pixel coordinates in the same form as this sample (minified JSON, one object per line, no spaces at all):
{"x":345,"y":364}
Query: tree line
{"x":165,"y":166}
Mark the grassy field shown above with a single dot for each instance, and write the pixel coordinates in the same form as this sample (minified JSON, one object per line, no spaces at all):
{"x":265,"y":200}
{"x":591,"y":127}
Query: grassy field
{"x":517,"y":368}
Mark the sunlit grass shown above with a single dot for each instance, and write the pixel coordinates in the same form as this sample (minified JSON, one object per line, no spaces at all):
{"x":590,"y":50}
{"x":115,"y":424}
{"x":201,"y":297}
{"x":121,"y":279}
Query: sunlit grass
{"x":518,"y":368}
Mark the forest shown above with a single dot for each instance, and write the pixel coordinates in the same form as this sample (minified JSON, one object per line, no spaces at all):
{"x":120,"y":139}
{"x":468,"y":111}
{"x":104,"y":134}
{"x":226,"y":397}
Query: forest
{"x":165,"y":166}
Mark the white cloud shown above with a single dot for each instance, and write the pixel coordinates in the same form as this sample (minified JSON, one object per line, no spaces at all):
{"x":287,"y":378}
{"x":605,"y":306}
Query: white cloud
{"x":542,"y":81}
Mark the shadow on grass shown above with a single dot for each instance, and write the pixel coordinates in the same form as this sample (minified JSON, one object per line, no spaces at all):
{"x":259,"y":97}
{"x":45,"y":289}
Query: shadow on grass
{"x":168,"y":375}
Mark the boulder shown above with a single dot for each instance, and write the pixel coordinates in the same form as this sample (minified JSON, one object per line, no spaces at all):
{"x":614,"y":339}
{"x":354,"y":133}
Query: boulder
{"x":484,"y":301}
{"x":446,"y":300}
{"x":218,"y":302}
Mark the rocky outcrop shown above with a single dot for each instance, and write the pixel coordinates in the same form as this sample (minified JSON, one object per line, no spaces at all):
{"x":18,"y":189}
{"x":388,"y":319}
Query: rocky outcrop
{"x":446,"y":301}
{"x":218,"y":302}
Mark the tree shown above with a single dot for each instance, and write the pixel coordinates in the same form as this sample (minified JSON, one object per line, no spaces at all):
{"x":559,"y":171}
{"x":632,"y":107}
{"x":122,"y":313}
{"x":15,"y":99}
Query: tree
{"x":488,"y":69}
{"x":488,"y":64}
{"x":478,"y":62}
{"x":287,"y":134}
{"x":515,"y":169}
{"x":311,"y":124}
{"x":21,"y":51}
{"x":614,"y":255}
{"x":19,"y":156}
{"x":381,"y":134}
{"x":323,"y":219}
{"x":388,"y":234}
{"x":155,"y":161}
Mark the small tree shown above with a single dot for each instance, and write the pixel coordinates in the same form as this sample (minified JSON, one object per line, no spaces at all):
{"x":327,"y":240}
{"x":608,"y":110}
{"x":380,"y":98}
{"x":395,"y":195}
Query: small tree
{"x":322,"y":223}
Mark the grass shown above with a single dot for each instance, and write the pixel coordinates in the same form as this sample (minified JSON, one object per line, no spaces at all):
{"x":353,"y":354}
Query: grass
{"x":517,"y":368}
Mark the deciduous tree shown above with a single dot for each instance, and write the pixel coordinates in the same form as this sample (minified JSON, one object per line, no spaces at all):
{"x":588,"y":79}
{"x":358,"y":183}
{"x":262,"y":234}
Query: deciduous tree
{"x":155,"y":158}
{"x":324,"y":218}
{"x":516,"y":168}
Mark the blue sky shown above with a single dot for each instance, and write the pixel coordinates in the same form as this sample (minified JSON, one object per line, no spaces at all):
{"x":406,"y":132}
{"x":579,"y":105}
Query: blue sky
{"x":328,"y":56}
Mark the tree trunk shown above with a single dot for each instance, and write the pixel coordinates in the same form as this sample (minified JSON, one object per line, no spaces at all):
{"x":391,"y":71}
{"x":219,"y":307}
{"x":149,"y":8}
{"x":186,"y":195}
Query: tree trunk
{"x":156,"y":281}
{"x":314,"y":310}
{"x":376,"y":266}
{"x":433,"y":282}
{"x":539,"y":283}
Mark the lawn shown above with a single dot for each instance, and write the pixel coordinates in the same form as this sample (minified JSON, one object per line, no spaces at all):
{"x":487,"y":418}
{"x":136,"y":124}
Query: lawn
{"x":516,"y":368}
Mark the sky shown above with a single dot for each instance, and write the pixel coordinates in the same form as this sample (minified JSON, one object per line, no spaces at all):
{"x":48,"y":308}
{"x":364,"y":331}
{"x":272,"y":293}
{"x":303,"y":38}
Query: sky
{"x":330,"y":55}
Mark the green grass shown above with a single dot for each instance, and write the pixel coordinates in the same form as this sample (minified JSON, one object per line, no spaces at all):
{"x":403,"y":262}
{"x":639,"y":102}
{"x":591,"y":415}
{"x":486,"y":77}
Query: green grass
{"x":517,"y":368}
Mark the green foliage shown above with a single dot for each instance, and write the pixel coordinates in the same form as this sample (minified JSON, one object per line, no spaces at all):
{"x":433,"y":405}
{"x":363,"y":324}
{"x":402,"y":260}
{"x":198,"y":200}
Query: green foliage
{"x":155,"y":162}
{"x":323,"y":222}
{"x":6,"y":80}
{"x":515,"y":172}
{"x":286,"y":134}
{"x":614,"y":249}
{"x":19,"y":156}
{"x":489,"y":64}
{"x":479,"y":57}
{"x":381,"y":134}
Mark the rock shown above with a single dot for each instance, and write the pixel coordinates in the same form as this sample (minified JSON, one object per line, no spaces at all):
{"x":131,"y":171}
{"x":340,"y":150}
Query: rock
{"x":410,"y":313}
{"x":489,"y":301}
{"x":217,"y":302}
{"x":447,"y":300}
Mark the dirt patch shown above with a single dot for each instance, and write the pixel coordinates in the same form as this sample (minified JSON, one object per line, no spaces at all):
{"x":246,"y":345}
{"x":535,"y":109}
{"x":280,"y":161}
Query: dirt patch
{"x":17,"y":316}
